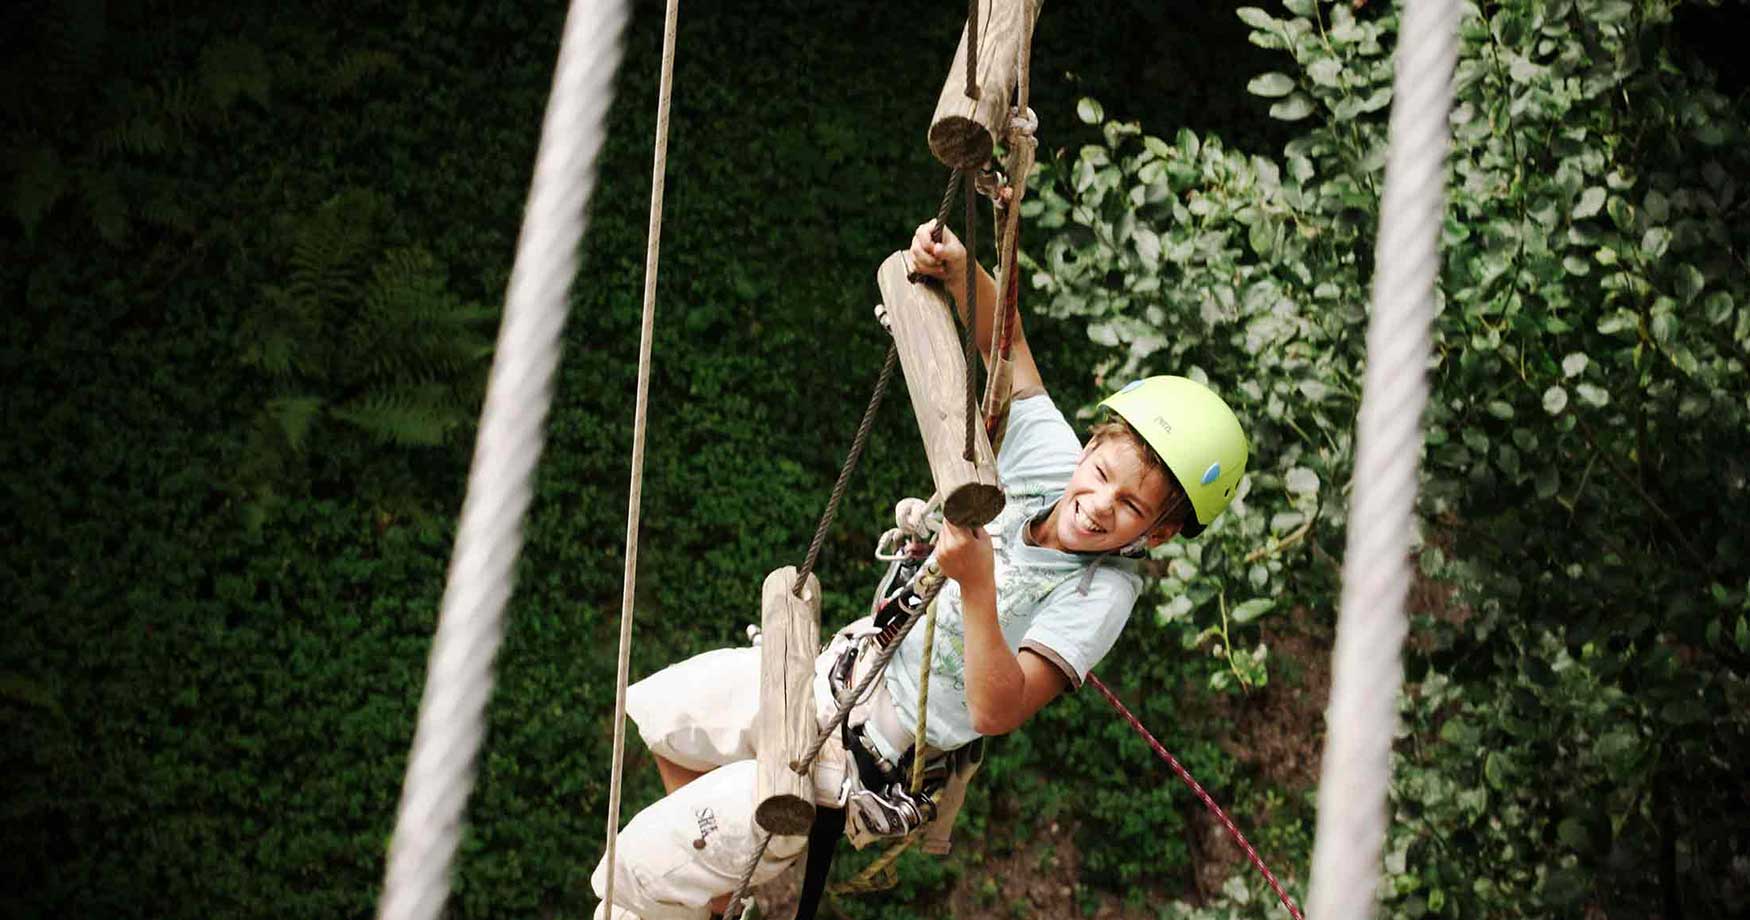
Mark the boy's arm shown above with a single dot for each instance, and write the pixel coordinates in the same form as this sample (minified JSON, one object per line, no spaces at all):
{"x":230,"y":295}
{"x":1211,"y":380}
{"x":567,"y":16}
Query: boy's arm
{"x":1003,"y":689}
{"x":946,"y":261}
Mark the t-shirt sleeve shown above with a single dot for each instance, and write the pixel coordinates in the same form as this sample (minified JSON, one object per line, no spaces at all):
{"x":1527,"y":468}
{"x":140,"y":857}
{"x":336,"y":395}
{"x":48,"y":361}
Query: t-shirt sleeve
{"x":1040,"y":449}
{"x":1074,"y":631}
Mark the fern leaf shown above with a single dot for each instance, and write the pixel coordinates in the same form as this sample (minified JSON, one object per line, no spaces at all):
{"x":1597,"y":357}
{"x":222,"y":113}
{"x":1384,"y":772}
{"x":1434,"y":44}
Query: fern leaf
{"x":329,"y":249}
{"x":232,"y":67}
{"x":419,"y":417}
{"x":295,"y":415}
{"x":355,"y":69}
{"x":39,"y":183}
{"x":109,"y":209}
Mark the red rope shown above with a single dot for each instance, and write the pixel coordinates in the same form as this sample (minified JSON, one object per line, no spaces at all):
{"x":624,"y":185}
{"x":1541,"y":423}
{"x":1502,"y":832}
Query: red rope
{"x":1185,"y":775}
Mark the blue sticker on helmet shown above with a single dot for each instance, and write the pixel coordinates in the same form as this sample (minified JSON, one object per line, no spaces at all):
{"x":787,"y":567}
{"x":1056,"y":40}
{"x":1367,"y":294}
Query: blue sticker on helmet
{"x":1212,"y":474}
{"x":1131,"y":386}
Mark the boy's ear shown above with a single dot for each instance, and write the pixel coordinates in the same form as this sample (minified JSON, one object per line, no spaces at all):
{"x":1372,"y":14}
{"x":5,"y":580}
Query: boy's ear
{"x":1165,"y":532}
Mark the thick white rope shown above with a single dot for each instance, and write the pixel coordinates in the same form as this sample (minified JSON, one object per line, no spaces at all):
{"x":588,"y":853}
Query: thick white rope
{"x":1366,"y":671}
{"x":635,"y":500}
{"x":452,"y":712}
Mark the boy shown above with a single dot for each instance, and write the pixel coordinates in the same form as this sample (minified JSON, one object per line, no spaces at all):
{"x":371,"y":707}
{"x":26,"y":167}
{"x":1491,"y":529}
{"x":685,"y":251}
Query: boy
{"x":1035,"y":599}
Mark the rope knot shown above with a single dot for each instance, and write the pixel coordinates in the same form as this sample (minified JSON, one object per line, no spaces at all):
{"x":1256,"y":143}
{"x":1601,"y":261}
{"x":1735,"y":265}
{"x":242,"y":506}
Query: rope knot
{"x":1023,"y":122}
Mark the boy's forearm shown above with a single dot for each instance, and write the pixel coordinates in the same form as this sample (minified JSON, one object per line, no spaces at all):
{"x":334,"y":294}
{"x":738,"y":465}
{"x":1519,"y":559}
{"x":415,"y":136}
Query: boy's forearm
{"x":995,"y":683}
{"x":987,"y":299}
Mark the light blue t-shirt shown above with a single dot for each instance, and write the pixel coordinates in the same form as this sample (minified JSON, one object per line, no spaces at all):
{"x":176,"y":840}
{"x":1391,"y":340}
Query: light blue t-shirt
{"x":1039,"y":602}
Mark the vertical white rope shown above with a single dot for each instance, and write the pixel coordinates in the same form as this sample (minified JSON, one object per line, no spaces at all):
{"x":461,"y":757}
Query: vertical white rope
{"x":452,"y":711}
{"x":635,"y":498}
{"x":1366,"y":673}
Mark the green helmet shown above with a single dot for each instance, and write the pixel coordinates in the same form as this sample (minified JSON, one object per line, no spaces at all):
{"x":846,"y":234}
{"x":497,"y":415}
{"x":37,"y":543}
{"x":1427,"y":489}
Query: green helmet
{"x":1195,"y":433}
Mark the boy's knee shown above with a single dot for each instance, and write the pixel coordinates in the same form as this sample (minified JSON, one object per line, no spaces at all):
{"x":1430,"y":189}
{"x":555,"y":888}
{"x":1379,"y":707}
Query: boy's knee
{"x":699,"y":713}
{"x":691,"y":847}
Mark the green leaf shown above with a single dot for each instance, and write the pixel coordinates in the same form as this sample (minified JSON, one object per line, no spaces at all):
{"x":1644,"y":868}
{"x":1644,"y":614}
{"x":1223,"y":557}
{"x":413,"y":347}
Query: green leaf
{"x":1271,"y":85}
{"x":1500,"y":409}
{"x":1655,"y":242}
{"x":1254,"y":17}
{"x":1251,"y":610}
{"x":1718,"y":307}
{"x":1302,"y":481}
{"x":1690,"y":282}
{"x":1658,"y":208}
{"x":1685,"y":360}
{"x":1555,"y":399}
{"x":1573,"y":833}
{"x":1592,"y":395}
{"x":1590,"y":203}
{"x":1615,"y":322}
{"x":1684,"y":712}
{"x":1664,"y":327}
{"x":1495,"y":770}
{"x":1294,"y":108}
{"x":1089,"y":111}
{"x":1741,"y":635}
{"x":1326,"y":71}
{"x":1617,"y":749}
{"x":1574,"y":364}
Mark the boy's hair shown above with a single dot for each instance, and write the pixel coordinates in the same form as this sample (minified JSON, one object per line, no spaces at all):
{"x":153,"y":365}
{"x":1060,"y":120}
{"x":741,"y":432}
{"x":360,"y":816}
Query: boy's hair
{"x":1177,"y":506}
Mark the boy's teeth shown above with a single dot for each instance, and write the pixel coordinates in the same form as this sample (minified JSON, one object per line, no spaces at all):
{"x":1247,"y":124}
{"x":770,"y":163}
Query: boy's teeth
{"x":1087,"y":523}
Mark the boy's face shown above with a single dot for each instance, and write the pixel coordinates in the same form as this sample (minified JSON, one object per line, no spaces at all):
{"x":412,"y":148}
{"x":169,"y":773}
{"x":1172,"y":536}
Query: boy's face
{"x":1113,"y":498}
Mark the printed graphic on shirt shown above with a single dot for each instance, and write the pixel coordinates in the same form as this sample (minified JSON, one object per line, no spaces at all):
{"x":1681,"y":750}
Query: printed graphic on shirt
{"x":1020,"y":589}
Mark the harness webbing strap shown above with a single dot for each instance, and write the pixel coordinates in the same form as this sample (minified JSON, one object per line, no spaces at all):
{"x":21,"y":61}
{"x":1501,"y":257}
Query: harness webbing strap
{"x":823,"y":843}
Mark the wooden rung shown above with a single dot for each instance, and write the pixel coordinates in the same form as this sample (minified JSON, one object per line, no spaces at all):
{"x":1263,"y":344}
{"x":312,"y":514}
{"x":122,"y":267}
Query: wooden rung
{"x":789,"y":643}
{"x":935,"y":375}
{"x":964,"y":131}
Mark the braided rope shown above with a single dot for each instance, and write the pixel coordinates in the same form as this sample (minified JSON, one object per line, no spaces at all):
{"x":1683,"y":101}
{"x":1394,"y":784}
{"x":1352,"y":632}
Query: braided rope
{"x":879,"y":875}
{"x":635,"y":498}
{"x":856,"y":452}
{"x":740,"y":895}
{"x":1196,"y":787}
{"x":917,"y":744}
{"x":452,"y":709}
{"x":969,"y":330}
{"x":947,"y":203}
{"x":972,"y":26}
{"x":1366,"y":670}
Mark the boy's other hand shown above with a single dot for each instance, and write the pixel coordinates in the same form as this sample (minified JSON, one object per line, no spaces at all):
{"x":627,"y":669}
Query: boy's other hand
{"x":945,"y":260}
{"x":964,"y":553}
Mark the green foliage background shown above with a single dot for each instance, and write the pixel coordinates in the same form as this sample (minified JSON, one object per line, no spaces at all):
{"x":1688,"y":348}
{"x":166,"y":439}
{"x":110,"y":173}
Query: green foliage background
{"x":249,"y":258}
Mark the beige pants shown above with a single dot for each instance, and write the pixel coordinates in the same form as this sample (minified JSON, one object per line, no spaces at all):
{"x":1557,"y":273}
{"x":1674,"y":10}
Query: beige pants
{"x":693,"y":845}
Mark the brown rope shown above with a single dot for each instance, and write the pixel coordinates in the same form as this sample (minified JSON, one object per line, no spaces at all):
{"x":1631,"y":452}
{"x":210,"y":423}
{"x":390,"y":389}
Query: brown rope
{"x":838,"y":489}
{"x":969,"y":332}
{"x":972,"y":49}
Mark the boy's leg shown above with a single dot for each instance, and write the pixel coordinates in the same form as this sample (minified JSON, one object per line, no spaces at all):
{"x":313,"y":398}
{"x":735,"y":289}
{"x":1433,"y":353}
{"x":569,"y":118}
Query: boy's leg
{"x":698,"y":714}
{"x":689,"y":849}
{"x":673,"y":774}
